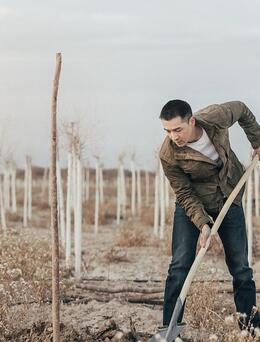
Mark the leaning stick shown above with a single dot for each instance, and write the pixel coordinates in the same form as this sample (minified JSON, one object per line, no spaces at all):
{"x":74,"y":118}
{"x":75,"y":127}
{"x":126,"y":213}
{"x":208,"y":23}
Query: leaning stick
{"x":172,"y":329}
{"x":54,"y":212}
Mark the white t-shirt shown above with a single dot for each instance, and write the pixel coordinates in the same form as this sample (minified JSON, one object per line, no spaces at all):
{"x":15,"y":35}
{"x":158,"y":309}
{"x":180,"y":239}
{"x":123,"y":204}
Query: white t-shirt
{"x":205,"y":146}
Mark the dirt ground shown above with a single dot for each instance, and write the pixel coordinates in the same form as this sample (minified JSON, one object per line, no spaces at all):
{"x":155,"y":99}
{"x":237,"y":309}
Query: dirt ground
{"x":119,"y":296}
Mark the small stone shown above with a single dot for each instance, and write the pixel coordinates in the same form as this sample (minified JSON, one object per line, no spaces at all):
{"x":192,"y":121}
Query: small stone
{"x":118,"y":336}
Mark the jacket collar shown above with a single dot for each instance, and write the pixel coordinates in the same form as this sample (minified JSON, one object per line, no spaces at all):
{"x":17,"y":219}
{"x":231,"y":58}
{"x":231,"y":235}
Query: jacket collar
{"x":188,"y":153}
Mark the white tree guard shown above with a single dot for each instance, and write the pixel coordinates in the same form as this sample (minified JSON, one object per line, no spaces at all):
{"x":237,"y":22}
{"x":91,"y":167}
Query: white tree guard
{"x":133,"y":189}
{"x":123,"y":189}
{"x":97,"y":198}
{"x":139,"y":194}
{"x":156,"y":202}
{"x":162,"y":202}
{"x":61,"y":205}
{"x":119,"y":196}
{"x":7,"y":187}
{"x":2,"y":209}
{"x":29,"y":166}
{"x":78,"y":220}
{"x":25,"y":200}
{"x":101,"y":184}
{"x":13,"y":190}
{"x":147,"y":188}
{"x":87,"y":183}
{"x":68,"y":211}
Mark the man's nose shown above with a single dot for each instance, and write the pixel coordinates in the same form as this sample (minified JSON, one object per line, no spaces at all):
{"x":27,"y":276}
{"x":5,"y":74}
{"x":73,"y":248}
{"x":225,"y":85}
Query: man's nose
{"x":173,"y":135}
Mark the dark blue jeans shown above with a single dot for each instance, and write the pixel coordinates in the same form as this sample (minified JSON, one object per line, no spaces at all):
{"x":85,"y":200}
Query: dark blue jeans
{"x":232,"y":233}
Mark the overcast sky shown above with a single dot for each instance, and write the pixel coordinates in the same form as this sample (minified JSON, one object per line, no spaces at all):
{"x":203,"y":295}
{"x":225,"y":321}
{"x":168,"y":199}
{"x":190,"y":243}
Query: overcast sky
{"x":122,"y":60}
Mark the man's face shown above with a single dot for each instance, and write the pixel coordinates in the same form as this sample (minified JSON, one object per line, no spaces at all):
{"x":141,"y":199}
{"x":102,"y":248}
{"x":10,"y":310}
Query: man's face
{"x":179,"y":130}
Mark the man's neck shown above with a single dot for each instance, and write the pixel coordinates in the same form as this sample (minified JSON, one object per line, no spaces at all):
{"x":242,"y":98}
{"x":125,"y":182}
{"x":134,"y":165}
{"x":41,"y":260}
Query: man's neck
{"x":197,"y":134}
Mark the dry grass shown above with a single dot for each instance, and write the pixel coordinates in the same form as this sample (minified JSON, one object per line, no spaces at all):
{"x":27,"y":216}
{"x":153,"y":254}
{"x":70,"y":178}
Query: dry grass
{"x":115,"y":255}
{"x":25,"y":273}
{"x":205,"y":312}
{"x":132,"y":234}
{"x":13,"y":217}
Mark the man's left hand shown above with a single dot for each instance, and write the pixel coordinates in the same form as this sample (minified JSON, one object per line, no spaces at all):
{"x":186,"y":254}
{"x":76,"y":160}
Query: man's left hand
{"x":256,"y":151}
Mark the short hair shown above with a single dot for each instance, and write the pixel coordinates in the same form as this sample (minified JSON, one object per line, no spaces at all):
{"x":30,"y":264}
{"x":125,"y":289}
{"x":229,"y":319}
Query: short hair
{"x":175,"y":108}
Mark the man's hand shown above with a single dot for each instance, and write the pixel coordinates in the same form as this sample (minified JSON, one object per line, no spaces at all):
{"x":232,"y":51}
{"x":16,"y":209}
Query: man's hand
{"x":256,"y":151}
{"x":204,"y":235}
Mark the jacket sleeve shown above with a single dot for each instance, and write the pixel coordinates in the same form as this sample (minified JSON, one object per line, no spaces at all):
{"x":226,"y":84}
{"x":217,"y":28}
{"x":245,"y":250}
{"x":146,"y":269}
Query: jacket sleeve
{"x":185,"y":195}
{"x":236,"y":111}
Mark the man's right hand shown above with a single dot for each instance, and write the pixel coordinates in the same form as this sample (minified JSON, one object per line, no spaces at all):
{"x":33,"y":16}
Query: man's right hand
{"x":204,"y":235}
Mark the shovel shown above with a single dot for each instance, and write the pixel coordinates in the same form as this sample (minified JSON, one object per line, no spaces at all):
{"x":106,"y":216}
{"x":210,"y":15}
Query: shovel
{"x":171,"y":333}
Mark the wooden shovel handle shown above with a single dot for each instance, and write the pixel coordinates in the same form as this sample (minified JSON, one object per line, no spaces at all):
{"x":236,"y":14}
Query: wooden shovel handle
{"x":215,"y":228}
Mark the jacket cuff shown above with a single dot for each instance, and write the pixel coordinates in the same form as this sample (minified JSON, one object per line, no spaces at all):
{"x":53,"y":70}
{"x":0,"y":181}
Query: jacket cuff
{"x":201,"y":220}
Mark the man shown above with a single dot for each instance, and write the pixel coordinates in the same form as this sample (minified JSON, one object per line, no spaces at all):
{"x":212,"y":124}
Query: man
{"x":203,"y":170}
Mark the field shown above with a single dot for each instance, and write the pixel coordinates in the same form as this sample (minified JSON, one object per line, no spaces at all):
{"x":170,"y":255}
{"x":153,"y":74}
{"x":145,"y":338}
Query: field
{"x":119,"y":295}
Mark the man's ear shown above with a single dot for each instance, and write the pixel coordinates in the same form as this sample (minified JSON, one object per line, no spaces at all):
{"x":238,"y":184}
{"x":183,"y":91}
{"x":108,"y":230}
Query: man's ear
{"x":193,"y":120}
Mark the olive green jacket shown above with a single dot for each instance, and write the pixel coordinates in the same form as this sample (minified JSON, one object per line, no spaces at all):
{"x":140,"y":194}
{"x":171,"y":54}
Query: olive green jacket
{"x":201,"y":184}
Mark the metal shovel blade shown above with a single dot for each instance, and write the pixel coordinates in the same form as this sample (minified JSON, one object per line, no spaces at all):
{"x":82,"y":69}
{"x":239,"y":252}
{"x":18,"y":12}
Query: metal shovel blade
{"x":171,"y":333}
{"x":160,"y":336}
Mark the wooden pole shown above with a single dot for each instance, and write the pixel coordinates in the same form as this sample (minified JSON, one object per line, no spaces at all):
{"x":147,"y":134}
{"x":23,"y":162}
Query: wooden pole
{"x":54,"y":211}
